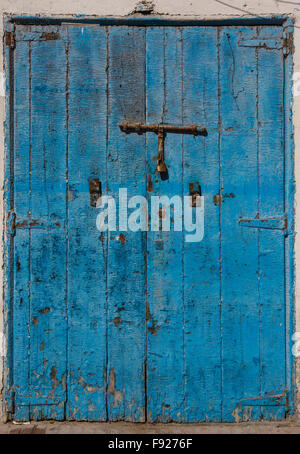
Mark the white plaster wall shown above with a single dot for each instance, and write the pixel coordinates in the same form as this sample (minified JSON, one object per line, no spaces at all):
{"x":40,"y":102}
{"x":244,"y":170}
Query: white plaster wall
{"x":202,"y":9}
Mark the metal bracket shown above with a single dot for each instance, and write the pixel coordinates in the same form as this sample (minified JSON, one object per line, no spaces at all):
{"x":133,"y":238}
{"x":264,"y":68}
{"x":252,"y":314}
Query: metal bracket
{"x":272,"y":223}
{"x":14,"y":223}
{"x":285,"y":43}
{"x":34,"y":397}
{"x":288,"y":43}
{"x":11,"y":223}
{"x":264,"y":43}
{"x":23,"y":401}
{"x":10,"y":39}
{"x":10,"y":400}
{"x":272,"y":400}
{"x":161,"y":130}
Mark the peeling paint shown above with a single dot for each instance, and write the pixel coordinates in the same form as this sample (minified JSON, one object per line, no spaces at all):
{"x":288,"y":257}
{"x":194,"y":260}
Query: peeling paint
{"x":121,"y":238}
{"x":117,"y":395}
{"x":236,"y":414}
{"x":117,"y":321}
{"x":45,"y":310}
{"x":50,"y":36}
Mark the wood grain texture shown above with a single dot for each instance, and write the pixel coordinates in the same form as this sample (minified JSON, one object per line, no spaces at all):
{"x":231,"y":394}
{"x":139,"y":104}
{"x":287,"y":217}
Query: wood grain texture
{"x":48,"y":326}
{"x":240,"y":322}
{"x":126,"y":253}
{"x":202,"y":260}
{"x":142,"y":326}
{"x":87,"y":247}
{"x":21,"y":339}
{"x":165,"y":337}
{"x":40,"y":359}
{"x":271,"y":242}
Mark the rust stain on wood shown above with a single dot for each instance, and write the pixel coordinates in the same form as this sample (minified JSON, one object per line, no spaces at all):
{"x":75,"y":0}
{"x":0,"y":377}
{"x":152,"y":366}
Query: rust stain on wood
{"x":122,"y":238}
{"x":153,"y":328}
{"x":50,"y":36}
{"x":117,"y":321}
{"x":45,"y":310}
{"x":149,"y":184}
{"x":95,"y":188}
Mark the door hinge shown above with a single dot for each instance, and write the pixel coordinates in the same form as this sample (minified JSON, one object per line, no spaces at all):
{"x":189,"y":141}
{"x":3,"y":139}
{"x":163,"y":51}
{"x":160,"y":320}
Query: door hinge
{"x":288,"y":43}
{"x":10,"y":39}
{"x":14,"y":223}
{"x":271,"y":400}
{"x":10,"y":401}
{"x":262,"y":43}
{"x":23,"y":401}
{"x":34,"y":397}
{"x":271,"y":223}
{"x":285,"y":43}
{"x":11,"y":223}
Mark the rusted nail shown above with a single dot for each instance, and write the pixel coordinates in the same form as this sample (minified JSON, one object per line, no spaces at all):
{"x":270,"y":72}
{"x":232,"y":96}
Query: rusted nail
{"x":218,"y":199}
{"x":95,"y":191}
{"x":122,"y":238}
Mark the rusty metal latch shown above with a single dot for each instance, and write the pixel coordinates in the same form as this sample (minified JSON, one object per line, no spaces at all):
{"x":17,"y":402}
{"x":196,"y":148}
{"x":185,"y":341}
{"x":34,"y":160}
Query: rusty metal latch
{"x":161,"y":130}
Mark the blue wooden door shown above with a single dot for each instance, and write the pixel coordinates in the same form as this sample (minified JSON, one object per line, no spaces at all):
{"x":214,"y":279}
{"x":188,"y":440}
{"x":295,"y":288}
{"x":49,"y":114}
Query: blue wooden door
{"x":140,"y":325}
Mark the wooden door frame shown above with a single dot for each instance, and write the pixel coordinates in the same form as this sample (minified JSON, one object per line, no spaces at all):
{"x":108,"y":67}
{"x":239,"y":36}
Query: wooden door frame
{"x":10,"y":23}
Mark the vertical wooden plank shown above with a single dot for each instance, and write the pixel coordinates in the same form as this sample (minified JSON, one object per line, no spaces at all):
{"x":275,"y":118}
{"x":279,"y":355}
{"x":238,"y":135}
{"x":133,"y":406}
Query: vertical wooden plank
{"x":47,"y":281}
{"x":165,"y":346}
{"x":8,"y":240}
{"x":87,"y":246}
{"x":240,"y":323}
{"x":290,"y":211}
{"x":22,"y":95}
{"x":201,"y":260}
{"x":271,"y":203}
{"x":126,"y":250}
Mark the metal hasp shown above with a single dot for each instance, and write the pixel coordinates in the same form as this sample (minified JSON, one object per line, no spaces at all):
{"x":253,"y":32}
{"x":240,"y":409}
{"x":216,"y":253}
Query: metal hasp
{"x":161,"y":130}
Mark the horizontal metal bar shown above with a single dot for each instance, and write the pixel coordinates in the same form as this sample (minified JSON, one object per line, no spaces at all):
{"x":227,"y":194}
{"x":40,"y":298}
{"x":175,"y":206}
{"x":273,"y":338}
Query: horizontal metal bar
{"x":140,"y":128}
{"x":37,"y":401}
{"x":23,"y":400}
{"x":264,"y":43}
{"x":34,"y":396}
{"x":274,"y":223}
{"x":264,"y":401}
{"x":148,"y":20}
{"x":14,"y":223}
{"x":25,"y":223}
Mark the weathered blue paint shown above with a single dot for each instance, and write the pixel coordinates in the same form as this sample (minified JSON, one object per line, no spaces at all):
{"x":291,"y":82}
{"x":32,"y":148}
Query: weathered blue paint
{"x":136,"y":326}
{"x":39,"y":302}
{"x":86,"y":159}
{"x":165,"y":314}
{"x":271,"y":242}
{"x":21,"y":247}
{"x":202,"y":276}
{"x":8,"y":240}
{"x":290,"y":210}
{"x":126,"y":276}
